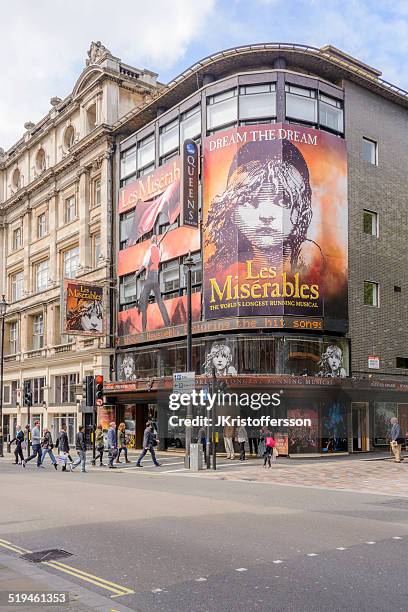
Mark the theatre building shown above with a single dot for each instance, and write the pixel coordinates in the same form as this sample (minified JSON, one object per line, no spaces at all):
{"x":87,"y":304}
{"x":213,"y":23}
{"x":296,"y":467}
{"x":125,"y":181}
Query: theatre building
{"x":298,"y":250}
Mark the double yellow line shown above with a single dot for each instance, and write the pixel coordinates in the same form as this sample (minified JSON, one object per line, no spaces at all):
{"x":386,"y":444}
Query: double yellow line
{"x":117,"y":590}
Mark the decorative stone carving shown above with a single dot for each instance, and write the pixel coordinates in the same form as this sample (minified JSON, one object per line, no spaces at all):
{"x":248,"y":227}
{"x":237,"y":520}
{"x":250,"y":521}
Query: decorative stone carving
{"x":29,"y":125}
{"x":96,"y":52}
{"x":55,"y":101}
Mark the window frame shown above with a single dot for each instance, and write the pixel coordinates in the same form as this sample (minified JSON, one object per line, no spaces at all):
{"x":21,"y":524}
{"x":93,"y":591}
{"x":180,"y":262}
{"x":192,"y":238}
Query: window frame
{"x":377,"y":293}
{"x":42,"y":228}
{"x":365,"y":139}
{"x":64,"y":256}
{"x":38,"y":331}
{"x":13,"y":338}
{"x":17,"y":233}
{"x":375,"y":215}
{"x":14,"y":283}
{"x":37,"y":271}
{"x":69,"y":208}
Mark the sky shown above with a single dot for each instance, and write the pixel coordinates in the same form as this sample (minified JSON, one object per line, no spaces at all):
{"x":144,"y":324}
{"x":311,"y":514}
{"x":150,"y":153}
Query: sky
{"x":45,"y":42}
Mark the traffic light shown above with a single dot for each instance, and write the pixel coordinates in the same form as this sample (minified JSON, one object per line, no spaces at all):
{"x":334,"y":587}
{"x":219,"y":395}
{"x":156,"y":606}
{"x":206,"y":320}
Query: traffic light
{"x":88,"y":390}
{"x":28,"y":396}
{"x":99,"y":390}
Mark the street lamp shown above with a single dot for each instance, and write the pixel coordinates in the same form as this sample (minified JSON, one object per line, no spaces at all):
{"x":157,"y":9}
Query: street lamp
{"x":3,"y":310}
{"x":189,"y":264}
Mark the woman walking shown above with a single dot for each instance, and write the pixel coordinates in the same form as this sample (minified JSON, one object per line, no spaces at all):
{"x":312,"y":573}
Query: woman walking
{"x":270,"y":450}
{"x":242,"y":439}
{"x":63,"y":447}
{"x":47,"y":445}
{"x":122,"y":443}
{"x":100,"y":445}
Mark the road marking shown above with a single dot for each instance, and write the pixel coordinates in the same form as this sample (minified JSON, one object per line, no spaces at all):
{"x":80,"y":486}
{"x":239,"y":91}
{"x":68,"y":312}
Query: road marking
{"x":241,"y":569}
{"x":396,"y":538}
{"x":341,"y":548}
{"x":157,"y":590}
{"x":117,"y":589}
{"x":13,"y":547}
{"x":201,"y":579}
{"x":312,"y":555}
{"x":278,"y":561}
{"x":371,"y":542}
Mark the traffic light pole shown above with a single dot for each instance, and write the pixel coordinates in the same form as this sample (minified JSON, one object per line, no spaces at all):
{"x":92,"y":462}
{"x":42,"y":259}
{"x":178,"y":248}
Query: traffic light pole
{"x":93,"y":433}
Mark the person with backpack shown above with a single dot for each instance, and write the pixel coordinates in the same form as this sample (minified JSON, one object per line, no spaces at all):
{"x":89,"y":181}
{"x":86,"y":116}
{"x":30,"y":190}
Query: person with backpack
{"x":62,"y":445}
{"x":19,"y":439}
{"x":47,"y":445}
{"x":100,"y":445}
{"x":270,"y":449}
{"x":80,"y":445}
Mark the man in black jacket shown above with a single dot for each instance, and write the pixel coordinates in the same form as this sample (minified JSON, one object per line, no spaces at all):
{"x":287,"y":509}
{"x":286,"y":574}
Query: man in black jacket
{"x":149,"y":442}
{"x":19,"y":439}
{"x":80,"y":445}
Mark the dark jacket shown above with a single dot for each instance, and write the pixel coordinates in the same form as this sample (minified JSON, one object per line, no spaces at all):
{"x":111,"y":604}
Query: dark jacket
{"x":47,"y":440}
{"x":80,"y":442}
{"x":99,"y":441}
{"x":111,"y":441}
{"x":149,"y":438}
{"x":62,"y":442}
{"x":19,"y":438}
{"x":395,"y":434}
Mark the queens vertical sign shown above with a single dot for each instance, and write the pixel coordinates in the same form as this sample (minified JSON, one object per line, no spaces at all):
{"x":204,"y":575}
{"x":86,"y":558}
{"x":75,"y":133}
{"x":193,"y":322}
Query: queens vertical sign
{"x":189,"y":183}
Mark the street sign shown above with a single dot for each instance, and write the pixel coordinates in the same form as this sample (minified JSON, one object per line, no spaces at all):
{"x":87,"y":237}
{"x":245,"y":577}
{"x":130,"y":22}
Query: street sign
{"x":183,"y":382}
{"x":99,"y":402}
{"x":374,"y":362}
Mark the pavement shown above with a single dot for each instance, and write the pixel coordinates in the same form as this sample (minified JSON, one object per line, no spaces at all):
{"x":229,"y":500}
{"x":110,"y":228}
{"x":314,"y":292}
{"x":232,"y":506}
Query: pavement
{"x":304,"y":535}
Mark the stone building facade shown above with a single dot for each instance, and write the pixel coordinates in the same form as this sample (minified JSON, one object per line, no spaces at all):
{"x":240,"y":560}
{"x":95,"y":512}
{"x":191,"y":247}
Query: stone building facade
{"x":55,"y":223}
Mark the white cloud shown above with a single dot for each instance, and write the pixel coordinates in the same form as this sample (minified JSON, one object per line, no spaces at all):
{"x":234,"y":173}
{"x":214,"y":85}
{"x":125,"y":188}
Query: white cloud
{"x":47,"y":41}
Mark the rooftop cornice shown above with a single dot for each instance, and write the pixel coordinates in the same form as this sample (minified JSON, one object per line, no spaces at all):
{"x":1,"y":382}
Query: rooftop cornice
{"x":327,"y":62}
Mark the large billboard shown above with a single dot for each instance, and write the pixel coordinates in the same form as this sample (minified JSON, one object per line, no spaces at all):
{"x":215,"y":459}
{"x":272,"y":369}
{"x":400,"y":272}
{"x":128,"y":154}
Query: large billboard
{"x":154,"y":238}
{"x":275,"y":223}
{"x":83,"y":309}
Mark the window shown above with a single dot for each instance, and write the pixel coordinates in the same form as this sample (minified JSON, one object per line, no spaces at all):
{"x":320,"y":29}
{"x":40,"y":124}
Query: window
{"x":190,"y":123}
{"x":169,"y":137}
{"x":371,"y":291}
{"x":65,"y":388}
{"x":17,"y":286}
{"x":257,"y":101}
{"x":41,"y":276}
{"x":96,"y":243}
{"x":38,"y":332}
{"x":128,"y":290}
{"x":145,"y":152}
{"x":222,"y":109}
{"x":301,"y":103}
{"x":41,"y":225}
{"x":69,"y":137}
{"x":170,"y":277}
{"x":16,"y":179}
{"x":91,"y":118}
{"x":6,"y":394}
{"x":370,"y":151}
{"x":196,"y":271}
{"x":37,"y":389}
{"x":145,"y":170}
{"x":126,"y":221}
{"x":370,"y":223}
{"x":96,"y":192}
{"x":17,"y":238}
{"x":402,"y":362}
{"x":69,"y":209}
{"x":71,"y":261}
{"x":13,"y":337}
{"x":168,"y":157}
{"x":70,"y":420}
{"x":128,"y":162}
{"x":330,"y":113}
{"x":40,"y":160}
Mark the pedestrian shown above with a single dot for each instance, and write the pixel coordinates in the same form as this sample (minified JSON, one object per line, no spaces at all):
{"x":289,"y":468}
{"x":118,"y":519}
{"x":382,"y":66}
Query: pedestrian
{"x":270,"y":448}
{"x":36,"y":444}
{"x":122,"y":443}
{"x":396,"y":440}
{"x":62,"y":444}
{"x":264,"y":432}
{"x":150,"y":440}
{"x":229,"y":434}
{"x":253,"y":442}
{"x":80,"y":445}
{"x":202,"y":439}
{"x":19,"y":440}
{"x":100,"y":445}
{"x":112,"y":444}
{"x":47,"y":445}
{"x":242,"y":439}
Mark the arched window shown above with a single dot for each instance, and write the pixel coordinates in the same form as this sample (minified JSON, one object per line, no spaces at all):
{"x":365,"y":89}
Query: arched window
{"x":16,"y":179}
{"x":40,"y":160}
{"x":69,"y":137}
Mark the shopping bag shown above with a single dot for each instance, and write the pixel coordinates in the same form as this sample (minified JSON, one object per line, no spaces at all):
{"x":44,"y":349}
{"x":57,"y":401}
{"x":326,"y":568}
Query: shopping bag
{"x":270,"y":442}
{"x":275,"y":452}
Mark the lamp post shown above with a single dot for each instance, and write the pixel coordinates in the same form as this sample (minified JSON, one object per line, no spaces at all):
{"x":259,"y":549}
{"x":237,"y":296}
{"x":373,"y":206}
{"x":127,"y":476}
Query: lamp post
{"x":188,"y":265}
{"x":3,"y":309}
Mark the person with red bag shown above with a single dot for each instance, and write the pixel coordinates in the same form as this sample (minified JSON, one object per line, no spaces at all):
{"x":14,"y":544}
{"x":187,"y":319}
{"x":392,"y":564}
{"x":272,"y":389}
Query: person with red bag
{"x":270,"y":449}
